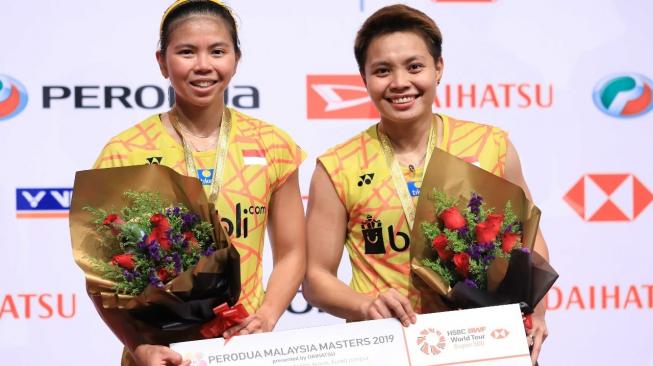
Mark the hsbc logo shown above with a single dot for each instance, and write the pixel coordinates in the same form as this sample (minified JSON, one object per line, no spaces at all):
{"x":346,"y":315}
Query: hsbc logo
{"x":608,"y":197}
{"x":338,"y":97}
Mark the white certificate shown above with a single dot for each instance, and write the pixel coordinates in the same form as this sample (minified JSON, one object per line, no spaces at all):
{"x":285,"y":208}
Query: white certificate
{"x":487,"y":336}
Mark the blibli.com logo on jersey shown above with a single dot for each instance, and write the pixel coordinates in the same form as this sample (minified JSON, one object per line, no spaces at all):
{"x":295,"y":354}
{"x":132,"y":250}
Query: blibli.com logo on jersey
{"x":43,"y":202}
{"x":239,"y":227}
{"x":13,"y":97}
{"x":205,"y":176}
{"x":624,"y":95}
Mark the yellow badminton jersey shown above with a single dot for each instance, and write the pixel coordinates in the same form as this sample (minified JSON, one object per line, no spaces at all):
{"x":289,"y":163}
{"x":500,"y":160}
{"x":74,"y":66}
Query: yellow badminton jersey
{"x":377,"y":233}
{"x":260,"y":158}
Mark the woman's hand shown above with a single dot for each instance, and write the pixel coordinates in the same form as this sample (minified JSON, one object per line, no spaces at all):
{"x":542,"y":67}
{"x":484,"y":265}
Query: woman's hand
{"x":390,"y":304}
{"x":536,"y":336}
{"x":153,"y":355}
{"x":258,"y":322}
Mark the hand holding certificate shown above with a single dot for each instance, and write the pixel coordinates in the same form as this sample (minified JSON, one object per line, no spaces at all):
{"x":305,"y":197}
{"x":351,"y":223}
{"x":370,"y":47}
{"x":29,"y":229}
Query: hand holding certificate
{"x":492,"y":335}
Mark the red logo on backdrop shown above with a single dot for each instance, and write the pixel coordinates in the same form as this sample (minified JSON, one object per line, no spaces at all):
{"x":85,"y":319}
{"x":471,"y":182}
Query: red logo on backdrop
{"x":338,"y":97}
{"x":38,"y":306}
{"x":600,"y":297}
{"x":609,"y":197}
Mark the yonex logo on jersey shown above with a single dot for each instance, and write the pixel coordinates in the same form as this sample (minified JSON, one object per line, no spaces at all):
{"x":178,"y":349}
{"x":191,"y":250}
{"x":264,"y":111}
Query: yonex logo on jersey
{"x":43,"y":202}
{"x":608,"y":197}
{"x":13,"y":97}
{"x":154,"y":160}
{"x":338,"y":97}
{"x":365,"y":179}
{"x":205,"y":176}
{"x":372,"y":231}
{"x":624,"y":95}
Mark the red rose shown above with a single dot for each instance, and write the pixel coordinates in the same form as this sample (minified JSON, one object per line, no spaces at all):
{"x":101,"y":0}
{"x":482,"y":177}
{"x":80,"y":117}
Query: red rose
{"x":452,"y":219}
{"x":461,"y":262}
{"x":485,"y":232}
{"x":508,"y":241}
{"x":190,"y":237}
{"x":160,"y":231}
{"x":125,"y":261}
{"x":160,"y":221}
{"x":495,"y":220}
{"x":112,"y":221}
{"x":440,"y":245}
{"x":163,"y":274}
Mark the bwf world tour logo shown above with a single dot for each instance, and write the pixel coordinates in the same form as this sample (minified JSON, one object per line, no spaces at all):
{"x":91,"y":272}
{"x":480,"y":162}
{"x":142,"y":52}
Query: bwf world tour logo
{"x":13,"y":97}
{"x":608,"y":197}
{"x":431,"y":341}
{"x":624,"y":95}
{"x":338,"y":97}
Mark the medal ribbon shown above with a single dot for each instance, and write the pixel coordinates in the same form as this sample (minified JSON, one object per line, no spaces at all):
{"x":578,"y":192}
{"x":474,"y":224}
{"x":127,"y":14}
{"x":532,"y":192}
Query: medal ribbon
{"x":220,"y":152}
{"x":398,"y":177}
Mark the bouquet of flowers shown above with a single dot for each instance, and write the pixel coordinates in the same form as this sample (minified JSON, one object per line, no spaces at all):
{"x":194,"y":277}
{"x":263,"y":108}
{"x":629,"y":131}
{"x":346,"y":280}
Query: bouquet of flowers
{"x":467,"y":242}
{"x":467,"y":254}
{"x":152,"y":241}
{"x":159,"y":267}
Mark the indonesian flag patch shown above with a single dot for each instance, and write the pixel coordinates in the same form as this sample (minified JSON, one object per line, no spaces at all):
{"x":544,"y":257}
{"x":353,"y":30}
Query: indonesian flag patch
{"x":254,"y":157}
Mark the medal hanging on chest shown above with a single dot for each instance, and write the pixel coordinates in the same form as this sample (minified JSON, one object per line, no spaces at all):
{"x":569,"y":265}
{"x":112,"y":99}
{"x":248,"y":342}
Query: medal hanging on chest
{"x":220,"y":153}
{"x":403,"y":188}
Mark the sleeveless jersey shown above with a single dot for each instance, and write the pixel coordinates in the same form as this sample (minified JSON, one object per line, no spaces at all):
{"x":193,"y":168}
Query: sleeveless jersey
{"x":260,"y":158}
{"x":377,"y":232}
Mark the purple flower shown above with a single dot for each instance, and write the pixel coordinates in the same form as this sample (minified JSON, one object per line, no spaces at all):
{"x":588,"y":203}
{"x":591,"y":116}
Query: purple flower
{"x":525,"y":250}
{"x":154,"y":279}
{"x":487,"y":259}
{"x":208,"y":251}
{"x":463,"y":231}
{"x":189,"y":218}
{"x":475,"y":204}
{"x":154,"y":251}
{"x":177,"y":260}
{"x":470,"y":283}
{"x":129,"y":276}
{"x":176,"y":211}
{"x":475,"y":251}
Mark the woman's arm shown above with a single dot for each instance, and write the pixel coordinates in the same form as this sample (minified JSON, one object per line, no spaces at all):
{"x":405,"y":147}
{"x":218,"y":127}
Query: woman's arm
{"x":327,"y":224}
{"x":513,"y":173}
{"x":287,"y":233}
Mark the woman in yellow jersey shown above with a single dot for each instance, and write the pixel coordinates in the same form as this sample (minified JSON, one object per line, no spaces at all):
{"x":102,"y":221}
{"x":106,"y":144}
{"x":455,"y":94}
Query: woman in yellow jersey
{"x":398,"y":50}
{"x":248,"y":167}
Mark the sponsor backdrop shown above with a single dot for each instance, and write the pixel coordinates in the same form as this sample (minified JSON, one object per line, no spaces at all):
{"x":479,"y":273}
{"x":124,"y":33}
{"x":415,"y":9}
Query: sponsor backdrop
{"x":570,"y":81}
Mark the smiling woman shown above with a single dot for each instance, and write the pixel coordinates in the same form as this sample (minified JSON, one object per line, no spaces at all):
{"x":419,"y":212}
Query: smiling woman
{"x":200,"y":137}
{"x":399,"y":55}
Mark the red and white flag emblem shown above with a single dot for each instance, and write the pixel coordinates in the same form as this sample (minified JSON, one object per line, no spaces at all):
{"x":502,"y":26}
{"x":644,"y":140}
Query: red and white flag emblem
{"x":254,"y":157}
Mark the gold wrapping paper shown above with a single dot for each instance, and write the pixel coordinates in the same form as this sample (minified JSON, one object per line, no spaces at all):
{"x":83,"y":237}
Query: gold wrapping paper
{"x":104,"y":188}
{"x":460,"y":179}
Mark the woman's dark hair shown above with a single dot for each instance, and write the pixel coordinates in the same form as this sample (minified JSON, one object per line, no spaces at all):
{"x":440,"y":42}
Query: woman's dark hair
{"x":397,"y":18}
{"x":198,"y":7}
